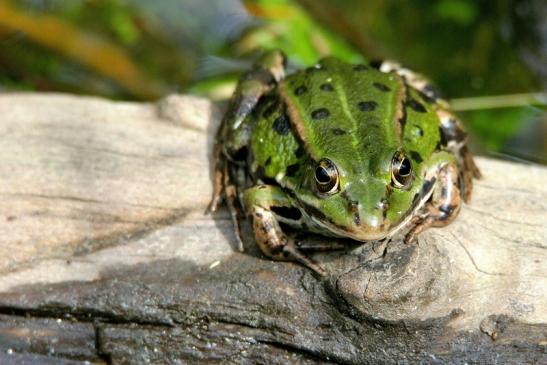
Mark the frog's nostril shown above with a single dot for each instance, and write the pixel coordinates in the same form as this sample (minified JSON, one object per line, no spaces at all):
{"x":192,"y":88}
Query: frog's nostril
{"x":353,"y":208}
{"x":357,"y":218}
{"x":353,"y":205}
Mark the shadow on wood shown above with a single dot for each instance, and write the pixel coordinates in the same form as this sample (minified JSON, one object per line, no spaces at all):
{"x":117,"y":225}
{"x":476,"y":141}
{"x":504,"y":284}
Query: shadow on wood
{"x":108,"y":257}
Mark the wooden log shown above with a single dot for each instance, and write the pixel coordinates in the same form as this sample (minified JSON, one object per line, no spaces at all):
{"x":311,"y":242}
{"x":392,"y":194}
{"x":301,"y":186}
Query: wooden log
{"x":107,"y":256}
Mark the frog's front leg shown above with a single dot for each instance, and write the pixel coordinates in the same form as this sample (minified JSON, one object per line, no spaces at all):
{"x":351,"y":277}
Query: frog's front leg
{"x":445,"y":202}
{"x":273,"y":242}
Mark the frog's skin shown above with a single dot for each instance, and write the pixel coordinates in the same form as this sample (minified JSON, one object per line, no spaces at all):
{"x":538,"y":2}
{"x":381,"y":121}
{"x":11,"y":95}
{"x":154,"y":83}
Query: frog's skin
{"x":328,"y":150}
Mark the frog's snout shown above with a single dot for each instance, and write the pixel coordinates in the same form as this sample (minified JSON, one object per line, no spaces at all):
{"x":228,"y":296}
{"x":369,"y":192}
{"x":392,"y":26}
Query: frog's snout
{"x":367,"y":208}
{"x":371,"y":223}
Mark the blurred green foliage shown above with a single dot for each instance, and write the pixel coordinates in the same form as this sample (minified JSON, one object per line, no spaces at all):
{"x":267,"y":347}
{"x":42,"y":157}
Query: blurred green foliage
{"x":468,"y":47}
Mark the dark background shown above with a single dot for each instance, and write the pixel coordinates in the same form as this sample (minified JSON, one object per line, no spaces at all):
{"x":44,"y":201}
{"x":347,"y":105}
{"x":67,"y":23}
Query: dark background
{"x":142,"y":50}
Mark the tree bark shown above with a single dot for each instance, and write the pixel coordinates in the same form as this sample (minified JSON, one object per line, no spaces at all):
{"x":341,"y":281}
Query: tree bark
{"x":108,"y":257}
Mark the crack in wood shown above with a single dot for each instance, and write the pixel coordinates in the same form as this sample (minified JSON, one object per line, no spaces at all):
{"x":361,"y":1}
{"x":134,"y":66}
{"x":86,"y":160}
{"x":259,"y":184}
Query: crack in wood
{"x":520,"y":244}
{"x":473,"y":260}
{"x":82,"y":315}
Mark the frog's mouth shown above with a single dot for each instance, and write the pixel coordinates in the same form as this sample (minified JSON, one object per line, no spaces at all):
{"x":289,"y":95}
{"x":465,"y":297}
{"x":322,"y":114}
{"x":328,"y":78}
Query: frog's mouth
{"x":374,"y":228}
{"x":360,"y":232}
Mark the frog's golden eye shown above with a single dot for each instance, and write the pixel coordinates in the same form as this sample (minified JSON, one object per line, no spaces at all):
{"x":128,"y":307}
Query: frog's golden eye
{"x":401,"y":171}
{"x":326,"y":177}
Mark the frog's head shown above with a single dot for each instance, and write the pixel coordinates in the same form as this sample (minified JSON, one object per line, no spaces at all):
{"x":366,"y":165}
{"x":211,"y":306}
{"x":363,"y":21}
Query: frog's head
{"x":364,"y":204}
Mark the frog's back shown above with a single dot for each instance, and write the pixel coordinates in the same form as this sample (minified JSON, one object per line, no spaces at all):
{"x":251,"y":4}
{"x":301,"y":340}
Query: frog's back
{"x":354,"y":115}
{"x":275,"y":149}
{"x":347,"y":111}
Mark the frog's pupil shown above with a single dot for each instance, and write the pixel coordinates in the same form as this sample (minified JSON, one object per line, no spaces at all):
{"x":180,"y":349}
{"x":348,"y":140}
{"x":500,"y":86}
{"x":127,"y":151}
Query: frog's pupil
{"x":404,"y":168}
{"x":322,"y":175}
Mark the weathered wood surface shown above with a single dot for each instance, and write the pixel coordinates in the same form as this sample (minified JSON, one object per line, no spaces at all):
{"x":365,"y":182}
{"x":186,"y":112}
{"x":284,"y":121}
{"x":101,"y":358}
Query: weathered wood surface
{"x":107,"y":257}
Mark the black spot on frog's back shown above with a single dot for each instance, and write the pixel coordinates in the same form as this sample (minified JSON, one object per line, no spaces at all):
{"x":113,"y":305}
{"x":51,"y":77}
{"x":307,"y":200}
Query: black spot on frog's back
{"x":416,"y":156}
{"x":326,"y":87}
{"x":338,"y":131}
{"x":415,"y":105}
{"x":367,"y":106}
{"x":381,"y":87}
{"x":321,"y":113}
{"x":299,"y":152}
{"x":281,"y":125}
{"x":300,"y":90}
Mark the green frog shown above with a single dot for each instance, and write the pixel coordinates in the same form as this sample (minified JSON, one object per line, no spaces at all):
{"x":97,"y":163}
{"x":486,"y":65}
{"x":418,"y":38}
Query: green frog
{"x":359,"y":151}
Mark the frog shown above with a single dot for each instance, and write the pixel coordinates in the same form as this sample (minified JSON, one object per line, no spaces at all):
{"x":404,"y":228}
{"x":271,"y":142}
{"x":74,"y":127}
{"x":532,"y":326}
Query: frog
{"x":365,"y":152}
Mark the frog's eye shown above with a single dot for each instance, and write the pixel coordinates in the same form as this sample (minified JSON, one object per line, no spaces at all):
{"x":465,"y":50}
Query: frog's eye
{"x":326,"y":177}
{"x":401,"y":171}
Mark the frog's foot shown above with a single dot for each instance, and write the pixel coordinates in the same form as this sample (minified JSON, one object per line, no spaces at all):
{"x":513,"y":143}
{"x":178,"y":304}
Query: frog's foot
{"x":261,"y":203}
{"x":274,"y":243}
{"x":422,"y":225}
{"x":444,"y":205}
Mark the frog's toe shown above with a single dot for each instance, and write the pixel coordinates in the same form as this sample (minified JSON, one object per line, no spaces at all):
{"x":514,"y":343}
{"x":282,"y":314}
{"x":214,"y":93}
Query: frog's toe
{"x":291,"y":252}
{"x":411,"y":238}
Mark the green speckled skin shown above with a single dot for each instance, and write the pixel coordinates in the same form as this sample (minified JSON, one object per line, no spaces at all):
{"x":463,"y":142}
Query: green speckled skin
{"x":360,"y":143}
{"x":278,"y":131}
